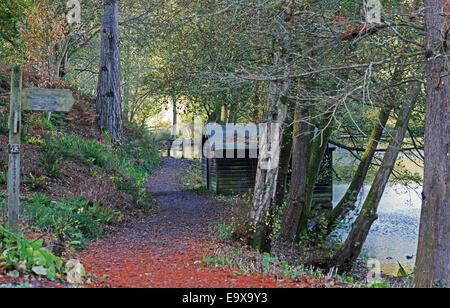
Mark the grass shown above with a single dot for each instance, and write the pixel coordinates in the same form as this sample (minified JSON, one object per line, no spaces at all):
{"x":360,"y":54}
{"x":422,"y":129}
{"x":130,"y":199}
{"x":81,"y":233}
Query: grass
{"x":245,"y":261}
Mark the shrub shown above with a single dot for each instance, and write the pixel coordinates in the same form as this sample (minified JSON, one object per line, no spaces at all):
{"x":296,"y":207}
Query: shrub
{"x":33,"y":182}
{"x":50,"y":160}
{"x":4,"y":128}
{"x":4,"y":177}
{"x":192,"y":178}
{"x":72,"y":147}
{"x":131,"y":161}
{"x":17,"y":251}
{"x":75,"y":220}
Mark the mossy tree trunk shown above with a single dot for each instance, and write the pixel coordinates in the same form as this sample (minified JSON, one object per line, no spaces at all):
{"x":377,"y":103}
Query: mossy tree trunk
{"x":352,"y":246}
{"x":277,"y":96}
{"x":300,"y":159}
{"x":347,"y":202}
{"x":318,"y":148}
{"x":283,"y":167}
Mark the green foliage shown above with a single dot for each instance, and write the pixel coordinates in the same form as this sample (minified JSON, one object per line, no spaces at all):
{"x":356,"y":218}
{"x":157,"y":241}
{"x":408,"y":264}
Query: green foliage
{"x":192,"y":178}
{"x":78,"y":149}
{"x":94,"y":173}
{"x":131,"y":162}
{"x":378,"y":285}
{"x":401,"y":271}
{"x":75,"y":220}
{"x":140,"y":150}
{"x":268,"y":260}
{"x":34,"y":140}
{"x":4,"y":129}
{"x":217,"y":261}
{"x":33,"y":182}
{"x":4,"y":177}
{"x":10,"y":14}
{"x":51,"y":161}
{"x":224,"y":230}
{"x":18,"y":251}
{"x":57,"y":119}
{"x":48,"y":125}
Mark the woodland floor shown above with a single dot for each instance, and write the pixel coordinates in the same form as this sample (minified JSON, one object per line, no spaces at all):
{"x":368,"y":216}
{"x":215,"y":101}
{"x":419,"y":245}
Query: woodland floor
{"x":166,"y":249}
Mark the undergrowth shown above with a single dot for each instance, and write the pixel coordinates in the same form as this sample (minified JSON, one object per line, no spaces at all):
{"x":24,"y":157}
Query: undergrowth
{"x":75,"y":221}
{"x":130,"y":162}
{"x":192,"y":177}
{"x":19,"y":254}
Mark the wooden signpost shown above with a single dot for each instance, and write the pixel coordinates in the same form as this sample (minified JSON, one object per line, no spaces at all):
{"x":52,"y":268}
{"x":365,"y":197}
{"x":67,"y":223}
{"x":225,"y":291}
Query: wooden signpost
{"x":27,"y":99}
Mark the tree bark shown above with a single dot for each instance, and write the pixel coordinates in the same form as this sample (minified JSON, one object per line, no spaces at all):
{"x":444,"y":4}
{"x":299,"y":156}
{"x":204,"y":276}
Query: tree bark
{"x":352,"y":246}
{"x":347,"y":202}
{"x":266,"y":178}
{"x":283,"y":166}
{"x":174,"y":112}
{"x":109,"y":101}
{"x":433,"y":253}
{"x":300,"y":159}
{"x":317,"y":152}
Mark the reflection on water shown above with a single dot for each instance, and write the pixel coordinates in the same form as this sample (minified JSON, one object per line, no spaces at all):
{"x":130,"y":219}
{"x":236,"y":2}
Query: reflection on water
{"x":394,"y":235}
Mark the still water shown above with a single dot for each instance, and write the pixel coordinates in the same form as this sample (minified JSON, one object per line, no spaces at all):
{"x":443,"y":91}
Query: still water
{"x":394,"y":235}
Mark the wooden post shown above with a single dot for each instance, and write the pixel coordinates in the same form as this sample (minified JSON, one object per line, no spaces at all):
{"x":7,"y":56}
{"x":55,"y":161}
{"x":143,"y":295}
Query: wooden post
{"x":14,"y":148}
{"x":28,"y":99}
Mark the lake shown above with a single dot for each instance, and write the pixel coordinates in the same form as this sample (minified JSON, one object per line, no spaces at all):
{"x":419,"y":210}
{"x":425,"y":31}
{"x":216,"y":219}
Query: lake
{"x":394,"y":235}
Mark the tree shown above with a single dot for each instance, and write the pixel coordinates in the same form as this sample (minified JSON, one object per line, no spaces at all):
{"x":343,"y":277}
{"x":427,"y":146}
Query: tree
{"x":433,"y":255}
{"x":11,"y":12}
{"x":352,"y":246}
{"x":109,"y":101}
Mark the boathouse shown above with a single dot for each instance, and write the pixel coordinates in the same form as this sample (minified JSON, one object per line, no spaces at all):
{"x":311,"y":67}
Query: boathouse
{"x":232,"y":168}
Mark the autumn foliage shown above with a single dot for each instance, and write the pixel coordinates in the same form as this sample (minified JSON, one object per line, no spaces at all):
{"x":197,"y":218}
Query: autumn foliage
{"x":43,"y":34}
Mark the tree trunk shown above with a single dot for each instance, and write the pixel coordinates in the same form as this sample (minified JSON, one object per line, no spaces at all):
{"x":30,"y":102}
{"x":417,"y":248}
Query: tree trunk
{"x":266,"y":176}
{"x":317,"y":153}
{"x":174,"y":112}
{"x":433,"y":254}
{"x":347,"y":202}
{"x":109,"y":101}
{"x":283,"y":167}
{"x":223,"y":114}
{"x":296,"y":203}
{"x":351,"y":249}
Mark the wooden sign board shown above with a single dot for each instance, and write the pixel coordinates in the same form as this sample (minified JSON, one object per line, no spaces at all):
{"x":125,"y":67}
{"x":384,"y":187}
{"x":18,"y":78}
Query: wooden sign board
{"x":27,"y":99}
{"x":47,"y":100}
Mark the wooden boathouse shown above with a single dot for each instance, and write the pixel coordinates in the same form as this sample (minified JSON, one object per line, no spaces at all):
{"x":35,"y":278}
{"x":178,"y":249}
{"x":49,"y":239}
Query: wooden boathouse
{"x":236,"y":175}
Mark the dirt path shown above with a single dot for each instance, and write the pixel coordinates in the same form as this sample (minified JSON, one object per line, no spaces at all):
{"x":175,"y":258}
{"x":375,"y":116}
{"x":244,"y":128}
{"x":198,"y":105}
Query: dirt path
{"x":165,"y":250}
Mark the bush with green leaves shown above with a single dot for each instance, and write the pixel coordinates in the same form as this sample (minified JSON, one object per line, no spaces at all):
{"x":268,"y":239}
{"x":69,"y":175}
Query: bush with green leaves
{"x":17,"y":252}
{"x":78,"y":149}
{"x":33,"y":182}
{"x":51,"y":161}
{"x":131,"y":162}
{"x":4,"y":128}
{"x":75,"y":220}
{"x":141,"y":148}
{"x":4,"y":177}
{"x":223,"y":230}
